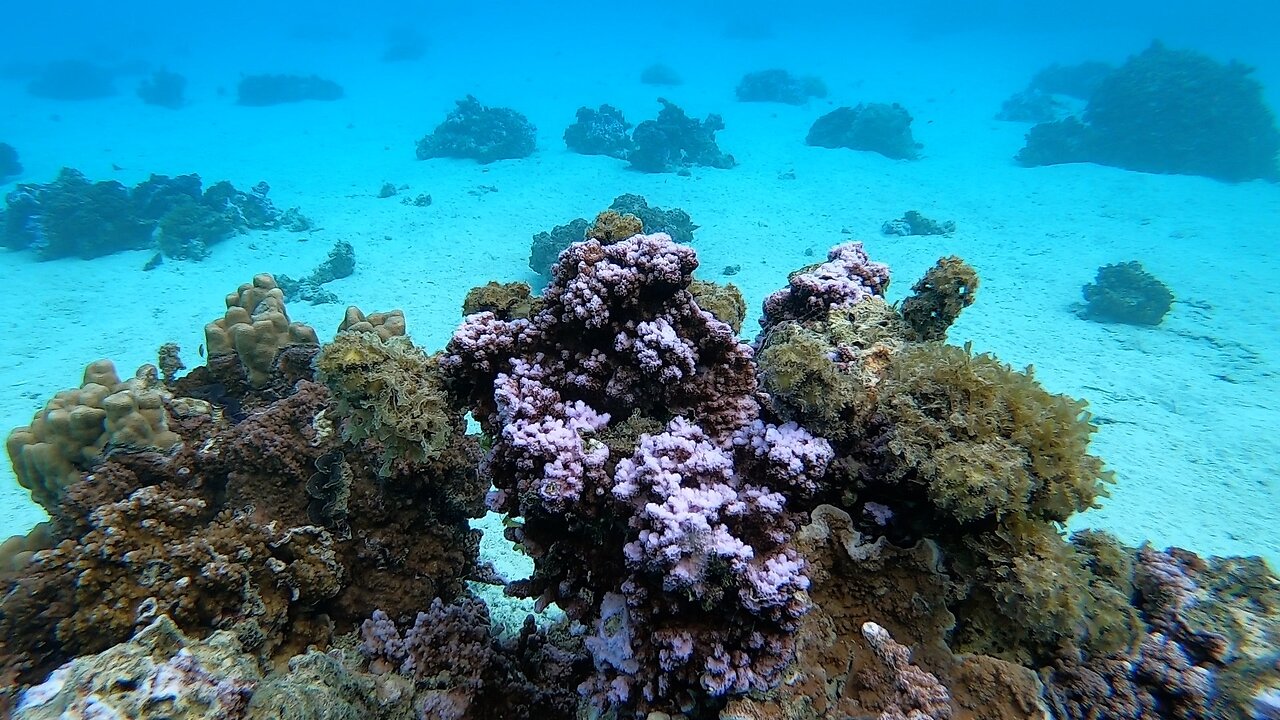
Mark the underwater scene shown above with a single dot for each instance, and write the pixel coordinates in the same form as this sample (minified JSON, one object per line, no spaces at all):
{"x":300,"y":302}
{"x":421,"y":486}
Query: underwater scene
{"x":667,"y":361}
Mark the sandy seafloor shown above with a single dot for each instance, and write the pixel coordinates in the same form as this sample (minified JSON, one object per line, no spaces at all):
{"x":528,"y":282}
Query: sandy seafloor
{"x":1189,"y":410}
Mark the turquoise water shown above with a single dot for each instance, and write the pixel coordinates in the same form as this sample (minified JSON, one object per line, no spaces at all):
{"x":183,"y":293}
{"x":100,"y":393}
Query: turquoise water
{"x":1187,"y":409}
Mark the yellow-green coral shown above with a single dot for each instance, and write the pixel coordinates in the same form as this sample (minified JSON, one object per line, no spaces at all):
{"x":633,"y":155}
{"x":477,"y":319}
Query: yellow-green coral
{"x":960,"y":418}
{"x":938,"y":298}
{"x":725,"y":302}
{"x":389,"y":391}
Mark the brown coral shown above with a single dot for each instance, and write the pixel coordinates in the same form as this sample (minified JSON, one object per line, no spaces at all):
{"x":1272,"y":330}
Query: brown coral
{"x":74,"y":428}
{"x":255,"y":328}
{"x":385,"y":325}
{"x":938,"y":298}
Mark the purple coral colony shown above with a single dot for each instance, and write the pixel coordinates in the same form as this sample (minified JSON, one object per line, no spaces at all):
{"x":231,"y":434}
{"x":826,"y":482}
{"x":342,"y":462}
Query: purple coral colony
{"x":846,"y":518}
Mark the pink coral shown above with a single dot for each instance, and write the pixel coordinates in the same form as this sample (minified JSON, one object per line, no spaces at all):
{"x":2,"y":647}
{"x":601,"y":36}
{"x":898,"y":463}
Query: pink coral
{"x":845,"y":279}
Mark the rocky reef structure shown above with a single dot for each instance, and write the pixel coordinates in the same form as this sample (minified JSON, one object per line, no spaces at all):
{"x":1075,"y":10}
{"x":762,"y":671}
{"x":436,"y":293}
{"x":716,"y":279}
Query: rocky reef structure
{"x":779,"y":86}
{"x":1055,"y":92}
{"x":603,"y":131}
{"x":914,"y":223}
{"x":481,"y":133}
{"x":74,"y":217}
{"x":877,"y":127}
{"x":9,"y":165}
{"x":72,"y":80}
{"x":1168,"y":111}
{"x":263,"y":90}
{"x":675,"y":142}
{"x":340,"y":263}
{"x":1126,"y":293}
{"x":164,"y":89}
{"x":261,"y":514}
{"x":627,"y":215}
{"x":847,"y":518}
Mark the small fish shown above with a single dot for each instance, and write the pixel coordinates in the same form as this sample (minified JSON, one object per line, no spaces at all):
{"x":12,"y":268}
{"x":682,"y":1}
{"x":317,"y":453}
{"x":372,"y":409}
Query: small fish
{"x":201,"y":349}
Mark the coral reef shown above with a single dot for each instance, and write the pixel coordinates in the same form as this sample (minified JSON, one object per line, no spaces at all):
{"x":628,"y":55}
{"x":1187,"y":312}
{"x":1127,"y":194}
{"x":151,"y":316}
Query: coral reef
{"x":850,"y":519}
{"x":73,"y":217}
{"x":72,"y":80}
{"x":255,"y":328}
{"x":484,"y":134}
{"x":877,"y":127}
{"x":1033,"y":106}
{"x":164,"y":89}
{"x":263,"y":521}
{"x":913,"y":223}
{"x":9,"y":165}
{"x":1126,"y":293}
{"x":599,"y":132}
{"x":1168,"y":111}
{"x":263,"y":90}
{"x":675,"y":142}
{"x":340,"y":263}
{"x":459,"y":670}
{"x":627,"y":215}
{"x":779,"y":86}
{"x":937,"y":442}
{"x":548,"y":244}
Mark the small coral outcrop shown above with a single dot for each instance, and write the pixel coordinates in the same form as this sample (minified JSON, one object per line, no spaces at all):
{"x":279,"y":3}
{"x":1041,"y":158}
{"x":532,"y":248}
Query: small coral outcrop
{"x":261,"y":90}
{"x":164,"y":89}
{"x":255,"y":328}
{"x":9,"y":165}
{"x":1168,"y":111}
{"x":877,"y":127}
{"x":914,"y":223}
{"x":1126,"y":293}
{"x":481,"y":133}
{"x":675,"y":142}
{"x":779,"y":86}
{"x":340,"y":263}
{"x":599,"y":132}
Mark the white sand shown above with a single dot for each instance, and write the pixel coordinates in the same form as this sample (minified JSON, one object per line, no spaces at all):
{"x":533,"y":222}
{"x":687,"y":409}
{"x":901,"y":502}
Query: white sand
{"x":1190,"y":407}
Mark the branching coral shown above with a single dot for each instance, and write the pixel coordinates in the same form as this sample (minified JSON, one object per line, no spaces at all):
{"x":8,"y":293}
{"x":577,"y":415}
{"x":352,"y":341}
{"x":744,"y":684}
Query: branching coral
{"x":689,"y":581}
